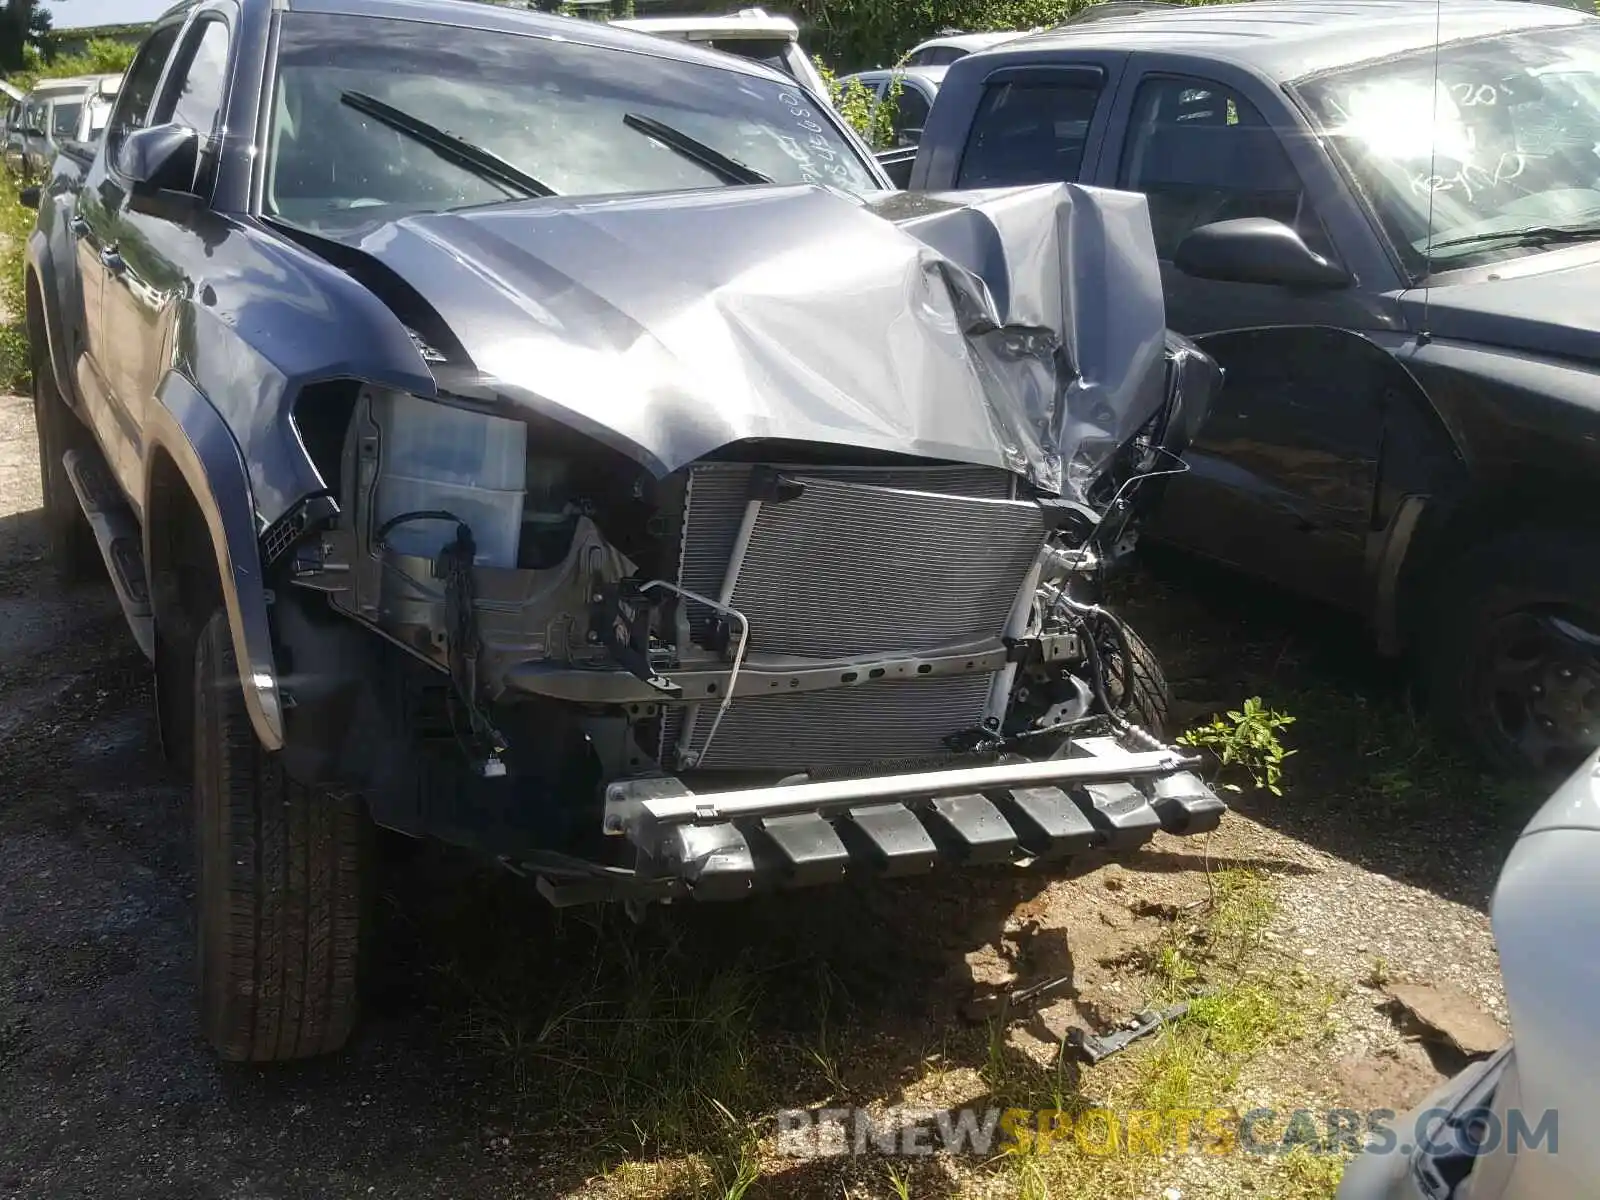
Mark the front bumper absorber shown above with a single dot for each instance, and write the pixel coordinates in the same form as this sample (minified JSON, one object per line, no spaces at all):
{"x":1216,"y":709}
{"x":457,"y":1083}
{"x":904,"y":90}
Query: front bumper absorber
{"x":723,"y":845}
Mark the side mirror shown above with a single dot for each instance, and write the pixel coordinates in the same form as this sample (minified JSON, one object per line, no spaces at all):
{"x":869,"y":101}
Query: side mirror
{"x":28,"y":197}
{"x":1256,"y":250}
{"x":162,"y":158}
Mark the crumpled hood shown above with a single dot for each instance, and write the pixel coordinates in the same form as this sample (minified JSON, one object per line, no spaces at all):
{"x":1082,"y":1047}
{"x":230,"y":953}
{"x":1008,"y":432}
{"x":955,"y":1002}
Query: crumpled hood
{"x":669,"y":326}
{"x":1526,"y":305}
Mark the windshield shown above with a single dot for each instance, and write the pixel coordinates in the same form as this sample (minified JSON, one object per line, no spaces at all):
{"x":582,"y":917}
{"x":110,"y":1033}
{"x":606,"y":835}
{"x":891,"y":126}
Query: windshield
{"x":555,"y":110}
{"x":64,"y":120}
{"x":1508,"y":139}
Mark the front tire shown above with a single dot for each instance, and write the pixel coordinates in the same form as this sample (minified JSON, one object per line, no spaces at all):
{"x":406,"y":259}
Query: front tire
{"x":282,"y":874}
{"x":73,"y":552}
{"x":1513,"y":660}
{"x":1140,"y":692}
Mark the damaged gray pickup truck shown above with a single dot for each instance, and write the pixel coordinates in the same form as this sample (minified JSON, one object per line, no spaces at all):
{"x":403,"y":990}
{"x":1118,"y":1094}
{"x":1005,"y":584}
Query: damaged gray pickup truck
{"x":558,"y":441}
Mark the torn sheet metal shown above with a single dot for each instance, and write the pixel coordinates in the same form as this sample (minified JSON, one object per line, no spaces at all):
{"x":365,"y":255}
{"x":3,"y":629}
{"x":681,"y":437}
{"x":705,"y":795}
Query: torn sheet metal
{"x":1021,"y":328}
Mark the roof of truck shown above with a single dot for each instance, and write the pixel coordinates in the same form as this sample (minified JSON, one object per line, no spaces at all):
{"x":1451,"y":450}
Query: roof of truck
{"x":1288,"y":39}
{"x":470,"y":14}
{"x":968,"y":41}
{"x":749,"y":23}
{"x":933,"y":76}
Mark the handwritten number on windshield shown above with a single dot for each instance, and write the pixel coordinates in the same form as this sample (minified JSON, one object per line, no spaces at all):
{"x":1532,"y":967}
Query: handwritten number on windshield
{"x":806,"y":152}
{"x":1475,"y":95}
{"x":1472,"y":177}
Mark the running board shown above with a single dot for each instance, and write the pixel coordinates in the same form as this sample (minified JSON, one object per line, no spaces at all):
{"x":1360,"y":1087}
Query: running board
{"x":121,"y":541}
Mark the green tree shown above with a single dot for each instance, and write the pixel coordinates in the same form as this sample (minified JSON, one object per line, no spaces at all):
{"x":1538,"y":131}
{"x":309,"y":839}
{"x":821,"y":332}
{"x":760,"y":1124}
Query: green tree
{"x":23,"y":23}
{"x":856,"y":35}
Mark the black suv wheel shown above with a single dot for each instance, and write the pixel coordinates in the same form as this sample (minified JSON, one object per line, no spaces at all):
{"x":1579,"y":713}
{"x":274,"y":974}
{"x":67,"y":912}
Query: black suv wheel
{"x":73,"y":552}
{"x":1514,"y":657}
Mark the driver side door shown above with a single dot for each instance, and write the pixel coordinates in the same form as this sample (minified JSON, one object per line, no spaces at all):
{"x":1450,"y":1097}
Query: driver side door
{"x":100,"y":266}
{"x":1282,"y":477}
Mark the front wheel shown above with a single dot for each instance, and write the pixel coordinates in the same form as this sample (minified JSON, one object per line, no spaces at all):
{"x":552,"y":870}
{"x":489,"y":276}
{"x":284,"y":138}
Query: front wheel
{"x":1513,"y":662}
{"x":1139,"y":688}
{"x":282,"y":877}
{"x":72,"y":550}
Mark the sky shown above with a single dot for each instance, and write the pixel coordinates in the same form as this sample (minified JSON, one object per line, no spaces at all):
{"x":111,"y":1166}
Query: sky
{"x":71,"y":13}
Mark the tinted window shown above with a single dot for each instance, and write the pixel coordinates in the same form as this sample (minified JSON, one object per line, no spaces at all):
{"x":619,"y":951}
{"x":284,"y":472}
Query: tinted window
{"x":1202,"y":153}
{"x":139,"y":87}
{"x":1029,"y":131}
{"x":936,"y":56}
{"x":64,"y":118}
{"x":555,"y":109}
{"x":911,"y":114}
{"x":199,"y":102}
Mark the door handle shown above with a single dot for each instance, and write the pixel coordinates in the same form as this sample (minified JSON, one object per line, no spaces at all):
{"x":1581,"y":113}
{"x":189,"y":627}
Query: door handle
{"x":112,"y":261}
{"x":80,"y":227}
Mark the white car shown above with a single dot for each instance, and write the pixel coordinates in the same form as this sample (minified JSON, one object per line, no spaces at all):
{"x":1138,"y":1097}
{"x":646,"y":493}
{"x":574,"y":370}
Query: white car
{"x":944,"y":50}
{"x":1519,"y":1125}
{"x":750,"y":33}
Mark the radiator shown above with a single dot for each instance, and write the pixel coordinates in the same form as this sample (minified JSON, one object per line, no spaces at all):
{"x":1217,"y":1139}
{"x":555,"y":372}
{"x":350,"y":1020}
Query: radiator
{"x":863,"y":561}
{"x":889,"y":719}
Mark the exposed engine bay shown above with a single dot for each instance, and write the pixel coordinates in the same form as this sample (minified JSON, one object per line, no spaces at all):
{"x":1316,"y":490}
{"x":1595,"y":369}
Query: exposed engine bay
{"x":775,"y":617}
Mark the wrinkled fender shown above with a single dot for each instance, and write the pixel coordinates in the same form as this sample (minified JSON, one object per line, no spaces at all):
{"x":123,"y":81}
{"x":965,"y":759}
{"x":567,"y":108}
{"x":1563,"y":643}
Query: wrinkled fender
{"x":184,"y":424}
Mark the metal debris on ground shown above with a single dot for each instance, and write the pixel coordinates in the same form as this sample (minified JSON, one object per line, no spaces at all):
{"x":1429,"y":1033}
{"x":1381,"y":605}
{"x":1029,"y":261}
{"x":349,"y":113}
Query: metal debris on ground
{"x":1095,"y":1047}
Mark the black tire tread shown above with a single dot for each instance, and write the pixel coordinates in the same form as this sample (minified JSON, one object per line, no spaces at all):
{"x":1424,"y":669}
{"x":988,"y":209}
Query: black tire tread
{"x":72,"y":550}
{"x":282,"y":884}
{"x":1150,"y":705}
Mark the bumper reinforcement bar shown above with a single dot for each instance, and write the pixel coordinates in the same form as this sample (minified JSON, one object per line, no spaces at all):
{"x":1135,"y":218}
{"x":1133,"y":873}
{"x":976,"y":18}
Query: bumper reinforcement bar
{"x":722,"y":845}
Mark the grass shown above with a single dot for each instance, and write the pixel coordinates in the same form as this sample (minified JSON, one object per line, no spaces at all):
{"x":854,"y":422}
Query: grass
{"x":1241,"y":1010}
{"x":16,"y":222}
{"x":646,"y":1051}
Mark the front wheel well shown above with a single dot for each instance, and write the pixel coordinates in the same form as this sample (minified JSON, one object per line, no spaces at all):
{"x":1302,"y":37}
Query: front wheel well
{"x":1447,"y":537}
{"x":184,"y":591}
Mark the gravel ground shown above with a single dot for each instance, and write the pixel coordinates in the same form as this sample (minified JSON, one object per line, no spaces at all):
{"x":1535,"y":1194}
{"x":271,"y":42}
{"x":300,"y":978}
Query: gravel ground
{"x":105,"y":1090}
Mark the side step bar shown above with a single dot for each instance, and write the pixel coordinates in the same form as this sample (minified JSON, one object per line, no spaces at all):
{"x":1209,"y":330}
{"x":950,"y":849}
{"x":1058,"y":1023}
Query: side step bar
{"x":723,"y":845}
{"x":121,"y":545}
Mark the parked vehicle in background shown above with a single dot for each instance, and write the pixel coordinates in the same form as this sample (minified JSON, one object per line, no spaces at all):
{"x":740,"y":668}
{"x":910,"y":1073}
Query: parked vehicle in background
{"x":919,"y":87}
{"x":945,"y":49}
{"x":1408,"y":427}
{"x":1503,"y":1128}
{"x":749,"y":33}
{"x":585,"y":489}
{"x":11,"y":98}
{"x":52,"y":115}
{"x":99,"y":98}
{"x":11,"y":148}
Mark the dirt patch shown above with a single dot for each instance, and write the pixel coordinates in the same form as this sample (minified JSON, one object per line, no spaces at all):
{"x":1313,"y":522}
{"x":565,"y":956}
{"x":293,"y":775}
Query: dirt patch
{"x":1399,"y":1078}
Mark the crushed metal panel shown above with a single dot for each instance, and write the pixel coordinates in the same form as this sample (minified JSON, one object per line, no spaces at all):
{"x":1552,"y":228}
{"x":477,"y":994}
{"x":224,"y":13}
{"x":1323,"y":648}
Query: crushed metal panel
{"x":1019,"y":329}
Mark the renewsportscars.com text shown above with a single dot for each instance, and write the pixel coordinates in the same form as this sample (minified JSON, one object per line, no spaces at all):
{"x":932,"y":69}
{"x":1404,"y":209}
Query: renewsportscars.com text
{"x":808,"y":1133}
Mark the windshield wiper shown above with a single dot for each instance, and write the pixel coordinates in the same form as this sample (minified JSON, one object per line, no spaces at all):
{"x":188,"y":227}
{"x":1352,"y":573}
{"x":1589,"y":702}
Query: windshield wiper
{"x":485,"y":164}
{"x":1532,"y":235}
{"x":729,"y":170}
